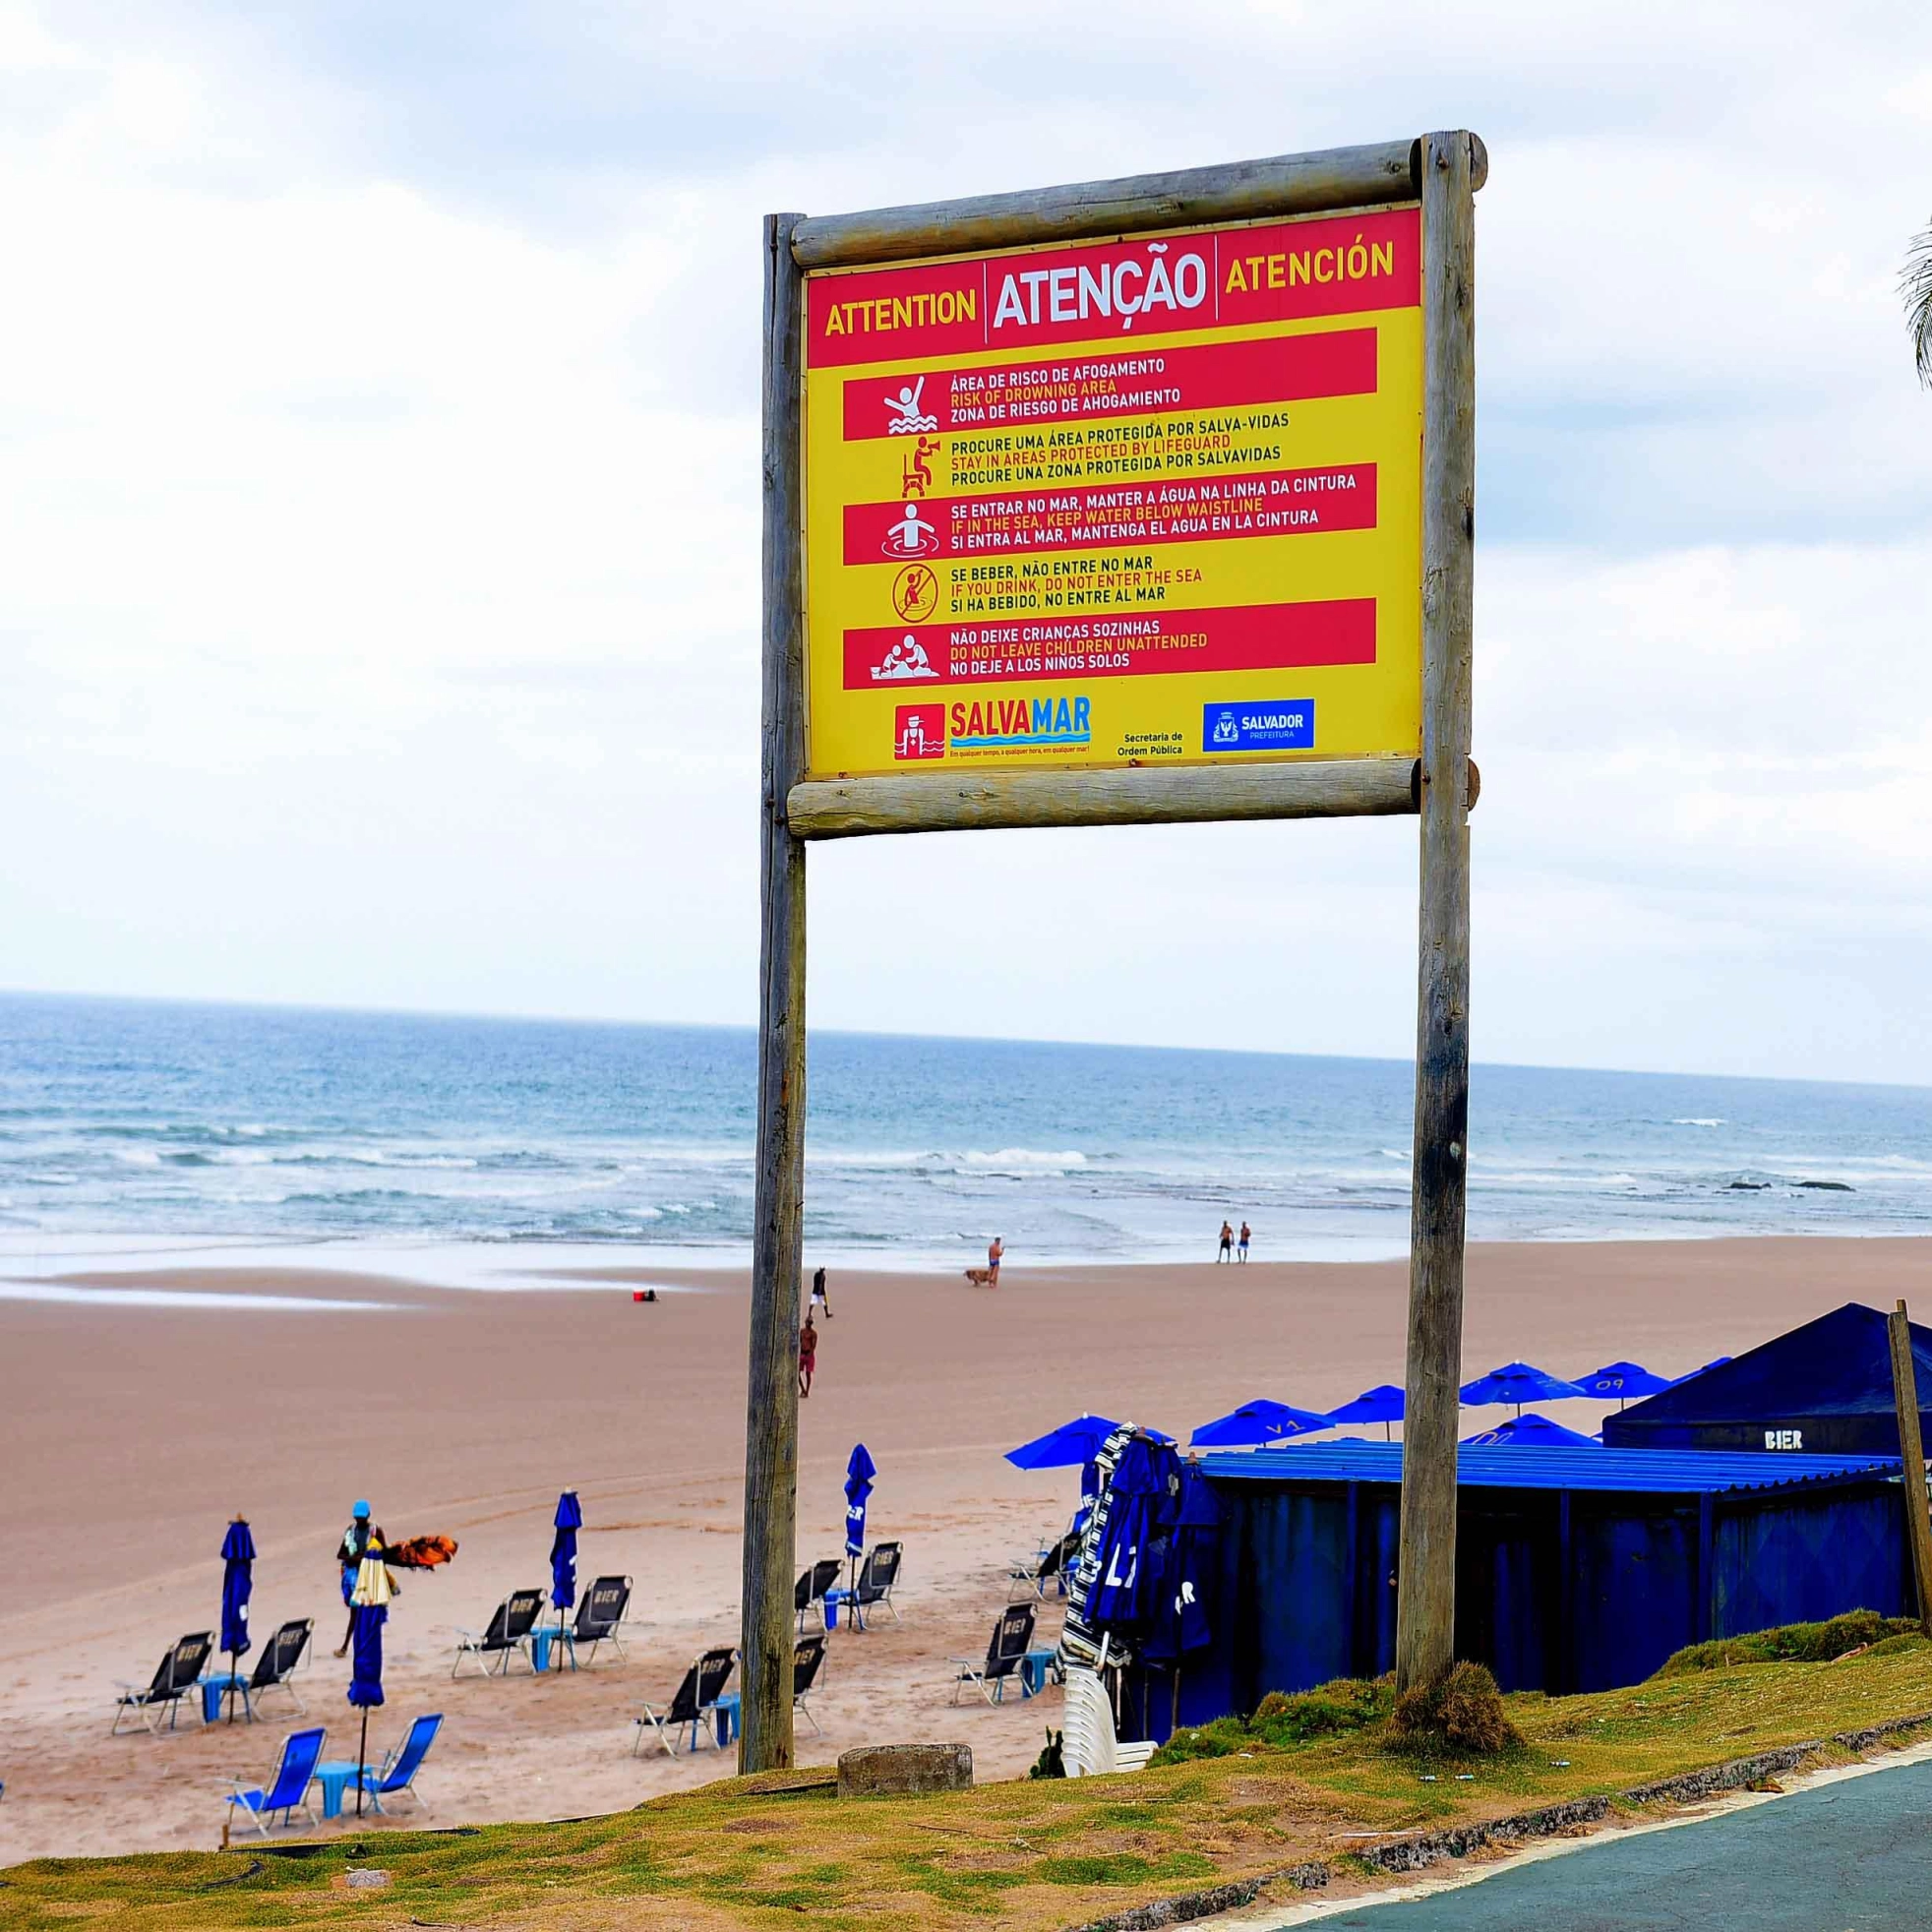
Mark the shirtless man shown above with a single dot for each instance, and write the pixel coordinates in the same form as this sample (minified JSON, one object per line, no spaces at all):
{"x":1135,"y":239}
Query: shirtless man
{"x":808,"y":1354}
{"x":992,"y":1257}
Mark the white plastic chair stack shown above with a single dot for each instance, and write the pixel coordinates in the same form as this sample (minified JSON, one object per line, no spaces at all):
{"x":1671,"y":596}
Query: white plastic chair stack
{"x":1088,"y":1745}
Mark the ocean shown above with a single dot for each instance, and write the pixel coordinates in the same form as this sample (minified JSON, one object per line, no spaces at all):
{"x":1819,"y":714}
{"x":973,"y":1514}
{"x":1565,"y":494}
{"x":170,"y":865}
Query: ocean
{"x":130,"y":1127}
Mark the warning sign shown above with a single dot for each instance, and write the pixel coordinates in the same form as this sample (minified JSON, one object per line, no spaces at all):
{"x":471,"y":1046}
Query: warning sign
{"x":1105,"y":502}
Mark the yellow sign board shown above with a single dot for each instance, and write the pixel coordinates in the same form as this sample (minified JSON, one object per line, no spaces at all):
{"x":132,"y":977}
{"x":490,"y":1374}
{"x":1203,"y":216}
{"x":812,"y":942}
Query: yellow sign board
{"x":1152,"y":502}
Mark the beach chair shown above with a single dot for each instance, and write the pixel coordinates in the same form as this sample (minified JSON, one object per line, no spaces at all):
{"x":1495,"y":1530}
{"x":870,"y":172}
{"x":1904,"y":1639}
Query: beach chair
{"x":876,"y":1581}
{"x":598,"y":1615}
{"x":395,"y":1775}
{"x":288,"y":1791}
{"x":806,"y":1661}
{"x":180,"y":1670}
{"x":1089,"y":1747}
{"x":508,"y":1636}
{"x":808,"y":1594}
{"x":691,"y":1707}
{"x":1050,"y":1565}
{"x":1012,"y":1638}
{"x":274,"y":1668}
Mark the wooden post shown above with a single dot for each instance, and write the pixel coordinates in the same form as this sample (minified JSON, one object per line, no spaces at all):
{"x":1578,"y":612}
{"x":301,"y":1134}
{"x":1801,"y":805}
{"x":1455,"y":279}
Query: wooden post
{"x":777,"y":1235}
{"x":1918,"y":1525}
{"x":1425,"y":1604}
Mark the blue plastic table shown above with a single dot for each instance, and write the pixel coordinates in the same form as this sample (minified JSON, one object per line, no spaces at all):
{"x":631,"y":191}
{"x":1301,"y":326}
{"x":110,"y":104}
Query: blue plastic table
{"x":1035,"y":1668}
{"x":724,"y":1716}
{"x":541,"y":1641}
{"x":214,"y":1690}
{"x":335,"y":1778}
{"x":833,"y":1599}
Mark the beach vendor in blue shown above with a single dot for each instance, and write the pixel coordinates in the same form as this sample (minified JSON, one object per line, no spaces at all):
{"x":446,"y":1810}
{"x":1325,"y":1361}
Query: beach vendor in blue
{"x":358,"y":1539}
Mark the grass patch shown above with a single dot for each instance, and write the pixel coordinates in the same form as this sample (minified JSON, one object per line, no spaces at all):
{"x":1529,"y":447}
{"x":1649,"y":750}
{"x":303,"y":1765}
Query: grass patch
{"x":1794,"y":1643}
{"x":1030,"y":1856}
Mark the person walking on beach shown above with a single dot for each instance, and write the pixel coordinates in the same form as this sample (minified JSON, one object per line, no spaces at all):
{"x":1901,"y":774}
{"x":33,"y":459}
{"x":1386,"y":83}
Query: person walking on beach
{"x":1243,"y":1246}
{"x":349,"y":1552}
{"x":807,"y":1354}
{"x":1227,"y":1243}
{"x":993,"y":1259}
{"x":818,"y":1300}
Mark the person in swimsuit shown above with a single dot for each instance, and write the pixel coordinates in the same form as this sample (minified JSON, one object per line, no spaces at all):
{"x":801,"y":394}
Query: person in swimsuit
{"x":1227,"y":1243}
{"x":992,"y":1257}
{"x":808,"y":1354}
{"x":1244,"y":1245}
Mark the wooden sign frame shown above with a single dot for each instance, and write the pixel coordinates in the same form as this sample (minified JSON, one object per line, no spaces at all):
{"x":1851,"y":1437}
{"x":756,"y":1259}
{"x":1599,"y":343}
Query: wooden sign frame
{"x":1442,"y":172}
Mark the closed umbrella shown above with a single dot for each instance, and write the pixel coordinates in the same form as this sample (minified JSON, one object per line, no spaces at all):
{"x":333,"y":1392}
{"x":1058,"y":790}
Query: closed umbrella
{"x":1622,"y":1379}
{"x":370,"y":1600}
{"x":1382,"y":1404}
{"x":569,"y":1521}
{"x":860,"y":1468}
{"x":1185,"y":1622}
{"x":1258,"y":1422}
{"x":1129,"y":1566}
{"x":237,"y":1584}
{"x":1517,"y":1382}
{"x":1528,"y":1432}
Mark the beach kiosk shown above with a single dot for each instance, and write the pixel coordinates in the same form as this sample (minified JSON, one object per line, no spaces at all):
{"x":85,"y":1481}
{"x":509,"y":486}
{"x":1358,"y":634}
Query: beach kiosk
{"x":1824,"y":1389}
{"x":1578,"y":1568}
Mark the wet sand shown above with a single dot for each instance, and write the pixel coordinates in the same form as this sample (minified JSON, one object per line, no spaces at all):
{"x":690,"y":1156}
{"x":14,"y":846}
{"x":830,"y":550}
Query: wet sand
{"x":130,"y":1435}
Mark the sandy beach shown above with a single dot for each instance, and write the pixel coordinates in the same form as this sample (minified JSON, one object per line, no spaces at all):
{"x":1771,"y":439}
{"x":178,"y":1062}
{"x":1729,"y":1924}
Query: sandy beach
{"x":131,"y":1434}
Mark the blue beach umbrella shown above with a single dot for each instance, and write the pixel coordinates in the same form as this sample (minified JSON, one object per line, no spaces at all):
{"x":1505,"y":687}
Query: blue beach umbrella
{"x":860,"y":1468}
{"x":237,"y":1584}
{"x":369,"y":1600}
{"x":1622,"y":1379}
{"x":1129,"y":1568}
{"x":1258,"y":1422}
{"x":1528,"y":1432}
{"x":1067,"y":1447}
{"x":1382,"y":1404}
{"x":569,"y":1521}
{"x":1517,"y":1382}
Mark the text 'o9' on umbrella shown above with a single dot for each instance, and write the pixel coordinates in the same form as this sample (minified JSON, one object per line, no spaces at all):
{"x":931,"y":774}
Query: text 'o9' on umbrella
{"x":562,"y":1564}
{"x":237,"y":1586}
{"x":1625,"y":1380}
{"x":1517,"y":1382}
{"x":1256,"y":1423}
{"x":369,"y":1600}
{"x":1384,"y":1403}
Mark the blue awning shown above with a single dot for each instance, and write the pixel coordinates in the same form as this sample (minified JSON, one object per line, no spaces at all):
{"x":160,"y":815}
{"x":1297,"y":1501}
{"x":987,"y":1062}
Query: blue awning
{"x":1659,"y":1471}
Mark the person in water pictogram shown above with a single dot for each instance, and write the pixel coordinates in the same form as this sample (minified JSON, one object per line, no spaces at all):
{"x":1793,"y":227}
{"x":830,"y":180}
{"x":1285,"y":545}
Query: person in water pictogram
{"x":910,"y":536}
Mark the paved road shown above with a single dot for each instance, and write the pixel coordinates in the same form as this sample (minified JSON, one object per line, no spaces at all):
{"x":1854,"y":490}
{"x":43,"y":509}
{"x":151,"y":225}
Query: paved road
{"x":1852,"y":1857}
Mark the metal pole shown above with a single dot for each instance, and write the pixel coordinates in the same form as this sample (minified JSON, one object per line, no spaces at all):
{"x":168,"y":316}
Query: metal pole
{"x":772,"y":1421}
{"x":1426,"y":1602}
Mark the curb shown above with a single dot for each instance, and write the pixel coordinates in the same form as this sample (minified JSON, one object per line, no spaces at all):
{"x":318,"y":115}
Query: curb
{"x":1424,"y":1849}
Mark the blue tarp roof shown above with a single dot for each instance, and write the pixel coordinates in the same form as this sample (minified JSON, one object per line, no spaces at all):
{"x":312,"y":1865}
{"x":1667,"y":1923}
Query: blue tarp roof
{"x":1656,"y":1472}
{"x":1840,"y":1364}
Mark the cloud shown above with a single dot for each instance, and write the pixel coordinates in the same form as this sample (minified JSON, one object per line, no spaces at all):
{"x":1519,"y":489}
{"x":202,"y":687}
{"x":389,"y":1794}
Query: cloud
{"x":378,"y":443}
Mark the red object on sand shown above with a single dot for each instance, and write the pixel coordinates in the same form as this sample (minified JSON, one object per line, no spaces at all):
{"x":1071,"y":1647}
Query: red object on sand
{"x":636,"y":1294}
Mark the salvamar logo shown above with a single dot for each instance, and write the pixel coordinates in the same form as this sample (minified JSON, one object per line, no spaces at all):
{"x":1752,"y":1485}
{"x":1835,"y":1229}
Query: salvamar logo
{"x":1010,"y":723}
{"x":919,"y":731}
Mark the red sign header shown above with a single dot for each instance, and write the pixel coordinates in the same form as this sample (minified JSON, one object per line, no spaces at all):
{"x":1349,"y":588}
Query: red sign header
{"x":1154,"y":286}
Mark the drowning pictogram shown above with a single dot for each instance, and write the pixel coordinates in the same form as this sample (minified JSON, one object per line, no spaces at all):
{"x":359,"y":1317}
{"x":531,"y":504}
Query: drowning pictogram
{"x":908,"y":421}
{"x":915,"y":592}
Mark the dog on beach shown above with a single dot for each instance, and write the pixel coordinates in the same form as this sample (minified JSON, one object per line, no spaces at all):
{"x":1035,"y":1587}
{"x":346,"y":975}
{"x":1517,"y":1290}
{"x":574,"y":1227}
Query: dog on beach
{"x":980,"y":1277}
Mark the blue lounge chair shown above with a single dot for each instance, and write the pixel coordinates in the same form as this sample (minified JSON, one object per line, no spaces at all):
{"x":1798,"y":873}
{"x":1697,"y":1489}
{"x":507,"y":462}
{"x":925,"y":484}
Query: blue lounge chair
{"x":301,"y":1752}
{"x":395,"y":1775}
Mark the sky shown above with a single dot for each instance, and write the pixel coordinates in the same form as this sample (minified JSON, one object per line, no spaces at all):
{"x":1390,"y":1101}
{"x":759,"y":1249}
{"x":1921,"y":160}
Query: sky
{"x":379,"y":450}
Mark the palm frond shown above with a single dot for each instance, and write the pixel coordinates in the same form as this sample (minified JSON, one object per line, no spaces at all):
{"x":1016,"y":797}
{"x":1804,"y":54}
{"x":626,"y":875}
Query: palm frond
{"x":1915,"y":285}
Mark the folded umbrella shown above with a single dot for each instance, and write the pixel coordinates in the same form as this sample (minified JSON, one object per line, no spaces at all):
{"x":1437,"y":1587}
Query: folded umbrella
{"x":860,"y":1468}
{"x":569,"y":1520}
{"x":369,"y":1600}
{"x":1258,"y":1422}
{"x":237,"y":1586}
{"x":1130,"y":1560}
